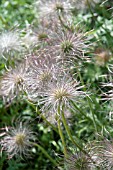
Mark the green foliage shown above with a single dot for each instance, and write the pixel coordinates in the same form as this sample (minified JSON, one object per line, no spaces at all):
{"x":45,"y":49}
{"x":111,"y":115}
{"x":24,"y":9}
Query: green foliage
{"x":14,"y":12}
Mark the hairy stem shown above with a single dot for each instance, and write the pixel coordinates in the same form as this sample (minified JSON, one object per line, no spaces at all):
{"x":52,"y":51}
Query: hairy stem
{"x":71,"y":137}
{"x":69,"y":134}
{"x":61,"y":136}
{"x":60,"y":131}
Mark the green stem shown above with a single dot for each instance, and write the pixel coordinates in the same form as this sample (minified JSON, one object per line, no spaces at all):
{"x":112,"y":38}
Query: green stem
{"x":61,"y":136}
{"x":71,"y":137}
{"x":45,"y":153}
{"x":69,"y":134}
{"x":60,"y":130}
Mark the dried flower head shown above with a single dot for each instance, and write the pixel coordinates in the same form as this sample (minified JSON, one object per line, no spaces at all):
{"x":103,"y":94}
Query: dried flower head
{"x":52,"y":7}
{"x":106,"y":153}
{"x":17,"y":140}
{"x":43,"y":35}
{"x":59,"y":94}
{"x":102,"y":153}
{"x":41,"y":72}
{"x":78,"y":161}
{"x":9,"y":43}
{"x":12,"y":82}
{"x":69,"y":45}
{"x":91,"y":160}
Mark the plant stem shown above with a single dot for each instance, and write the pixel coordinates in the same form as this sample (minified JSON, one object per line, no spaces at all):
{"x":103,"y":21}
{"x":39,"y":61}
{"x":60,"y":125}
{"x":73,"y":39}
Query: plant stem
{"x":71,"y":137}
{"x":61,"y":136}
{"x":69,"y":134}
{"x":60,"y":130}
{"x":45,"y":153}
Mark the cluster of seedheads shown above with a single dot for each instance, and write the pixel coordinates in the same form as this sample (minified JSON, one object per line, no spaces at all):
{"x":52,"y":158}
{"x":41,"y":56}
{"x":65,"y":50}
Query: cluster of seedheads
{"x":40,"y":61}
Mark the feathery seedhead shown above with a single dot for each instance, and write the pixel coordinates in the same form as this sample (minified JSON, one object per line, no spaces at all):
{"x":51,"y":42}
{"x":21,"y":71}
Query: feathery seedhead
{"x":12,"y":82}
{"x":106,"y":153}
{"x":60,"y":93}
{"x":42,"y":36}
{"x":52,"y":7}
{"x":102,"y":153}
{"x":42,"y":71}
{"x":78,"y":161}
{"x":10,"y":43}
{"x":66,"y":46}
{"x":39,"y":78}
{"x":69,"y":45}
{"x":17,"y":140}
